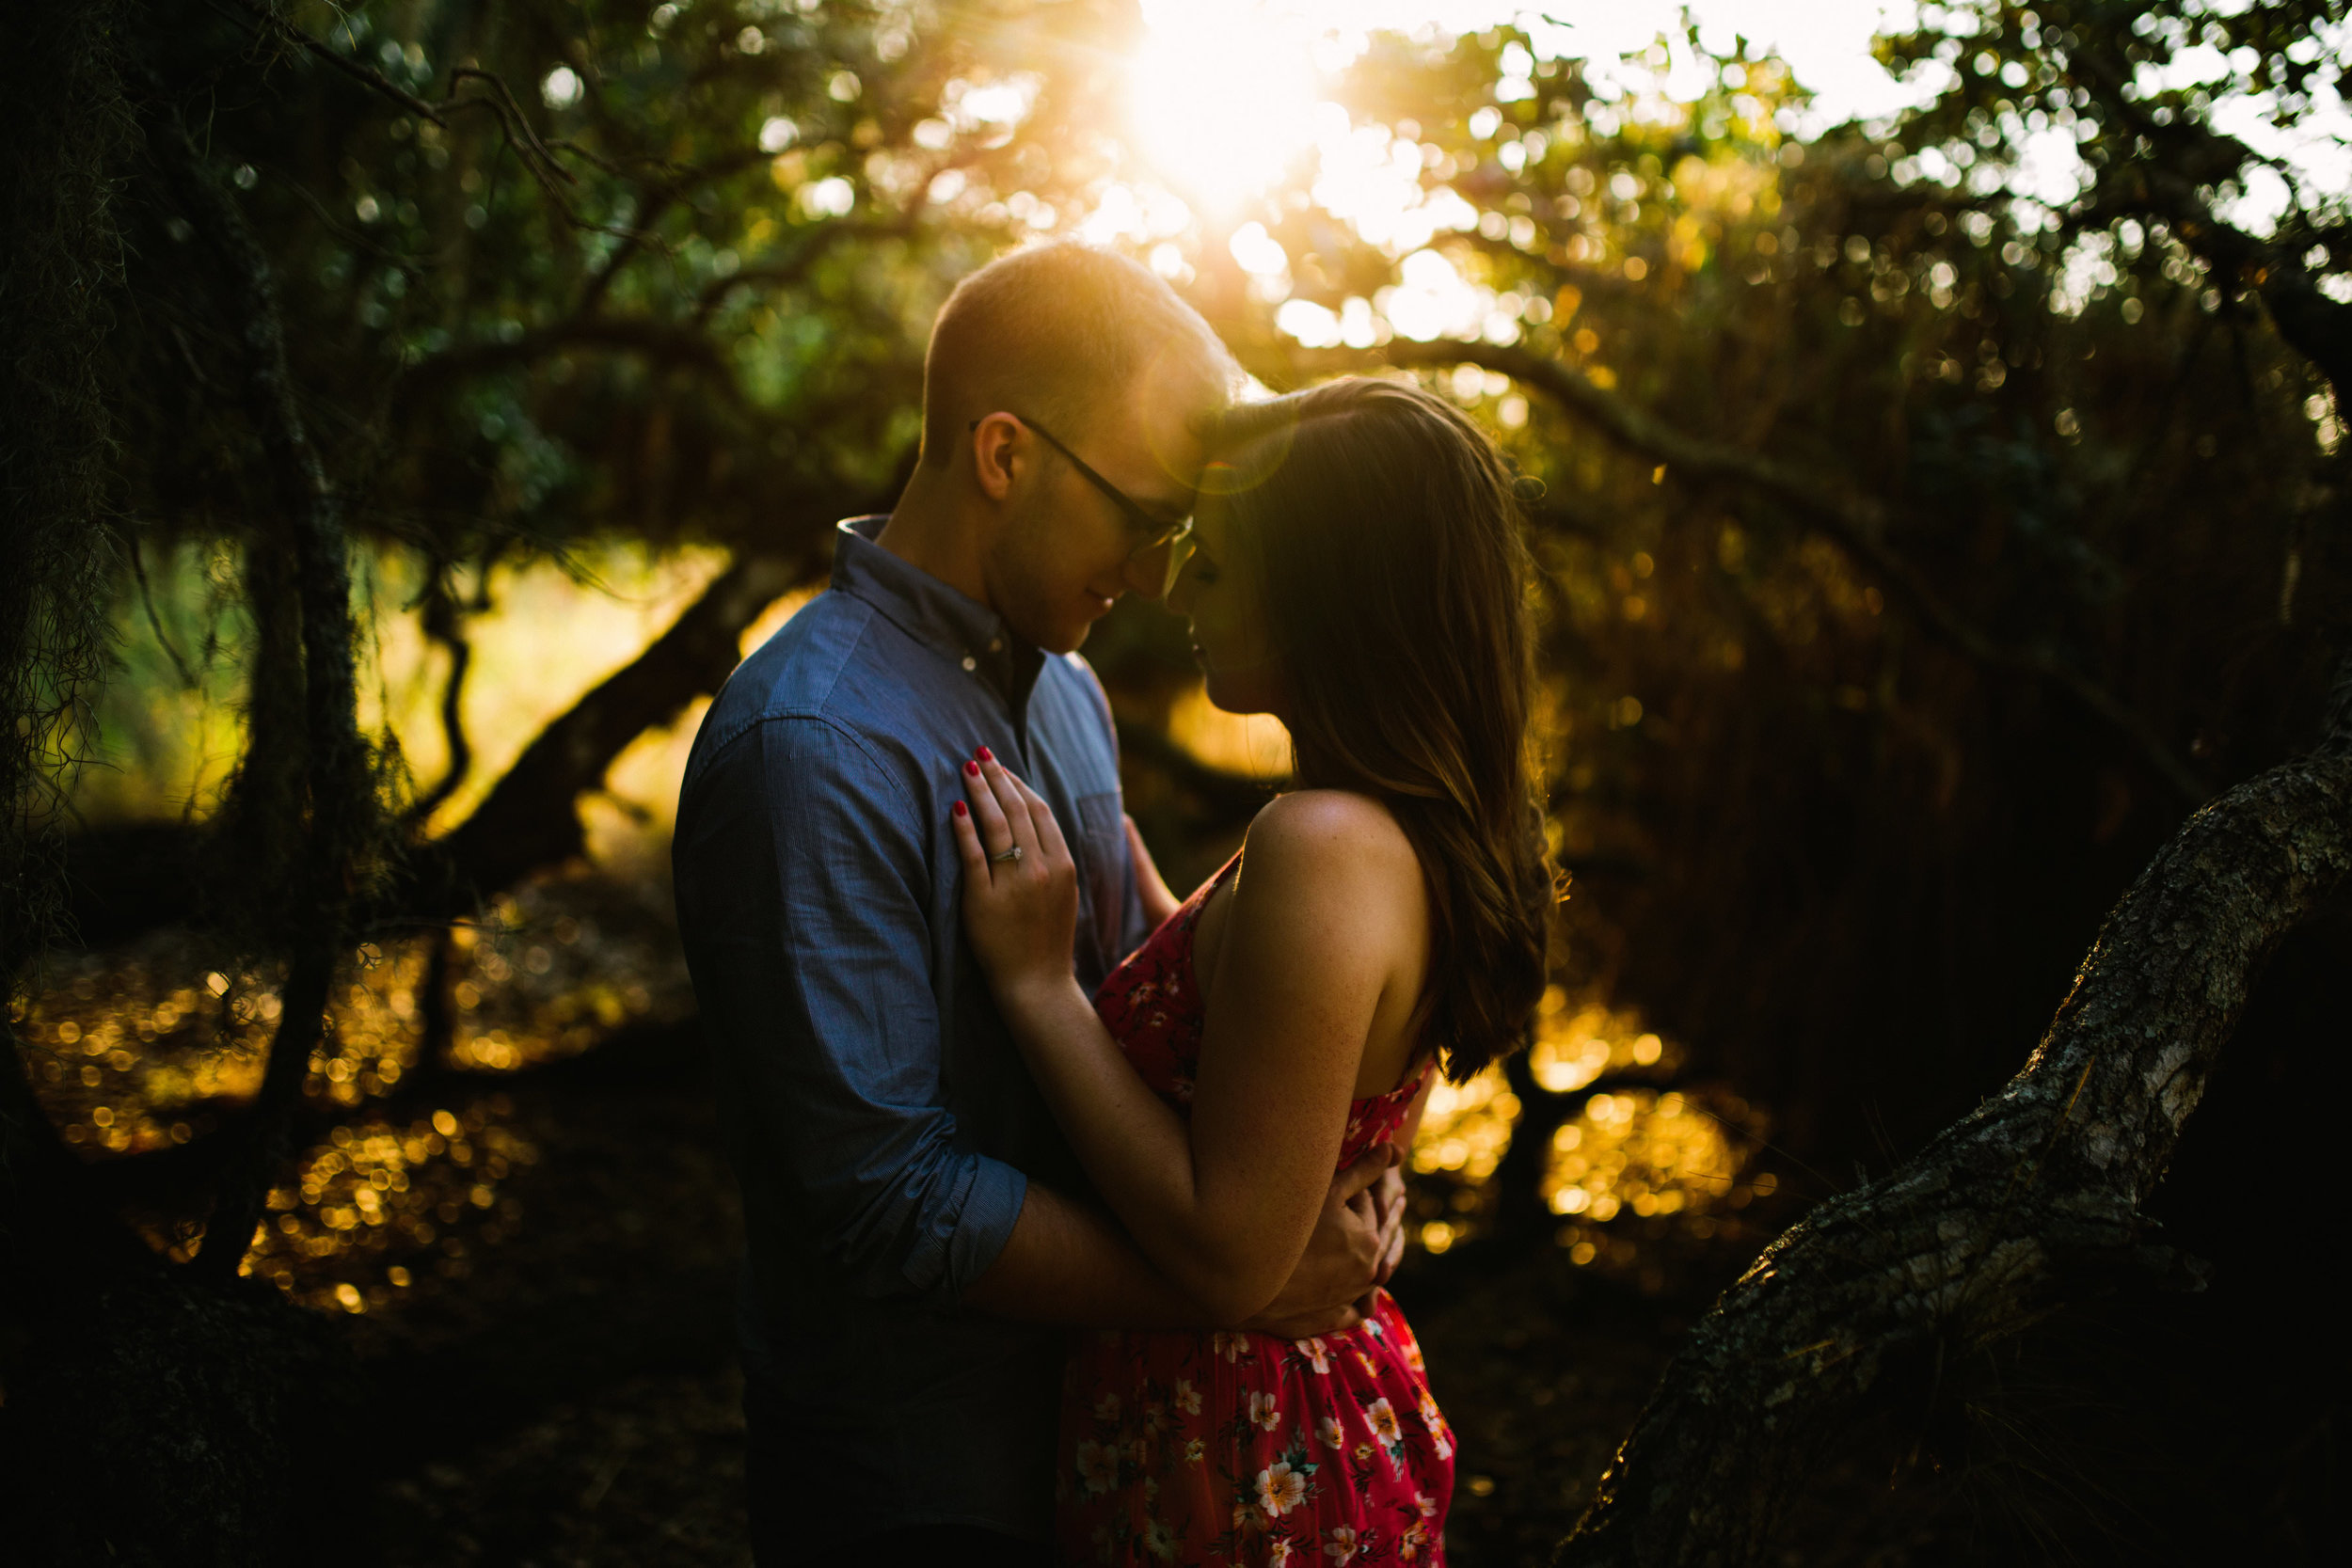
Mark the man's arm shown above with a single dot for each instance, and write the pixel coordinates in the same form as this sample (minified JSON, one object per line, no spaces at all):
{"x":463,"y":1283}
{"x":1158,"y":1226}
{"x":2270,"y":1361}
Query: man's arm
{"x":1069,"y":1263}
{"x":803,"y":891}
{"x":1391,"y":1194}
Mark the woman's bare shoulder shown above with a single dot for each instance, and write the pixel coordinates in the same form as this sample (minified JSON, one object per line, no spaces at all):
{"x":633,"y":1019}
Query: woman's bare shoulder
{"x":1335,"y":838}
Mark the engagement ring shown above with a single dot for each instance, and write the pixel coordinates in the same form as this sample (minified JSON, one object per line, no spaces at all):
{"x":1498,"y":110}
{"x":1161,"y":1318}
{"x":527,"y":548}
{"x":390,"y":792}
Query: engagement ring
{"x":1011,"y":854}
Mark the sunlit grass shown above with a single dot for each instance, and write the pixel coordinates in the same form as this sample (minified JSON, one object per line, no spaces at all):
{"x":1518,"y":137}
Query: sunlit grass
{"x":170,"y":726}
{"x":550,"y":637}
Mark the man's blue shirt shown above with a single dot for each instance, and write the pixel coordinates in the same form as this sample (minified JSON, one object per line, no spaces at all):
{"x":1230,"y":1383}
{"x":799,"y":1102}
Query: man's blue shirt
{"x":876,"y":1110}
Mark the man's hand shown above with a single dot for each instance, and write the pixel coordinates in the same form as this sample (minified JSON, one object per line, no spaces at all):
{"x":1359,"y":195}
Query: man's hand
{"x":1388,"y":1197}
{"x":1356,"y":1240}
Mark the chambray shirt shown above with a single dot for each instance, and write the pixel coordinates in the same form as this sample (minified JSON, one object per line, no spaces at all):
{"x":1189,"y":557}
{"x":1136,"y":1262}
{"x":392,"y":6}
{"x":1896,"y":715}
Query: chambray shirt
{"x":876,"y":1110}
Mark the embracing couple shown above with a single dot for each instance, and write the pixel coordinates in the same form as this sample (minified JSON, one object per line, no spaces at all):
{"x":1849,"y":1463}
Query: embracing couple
{"x":987,"y":1082}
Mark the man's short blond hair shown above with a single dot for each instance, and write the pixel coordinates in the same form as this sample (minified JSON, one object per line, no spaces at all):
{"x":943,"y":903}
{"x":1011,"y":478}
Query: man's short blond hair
{"x":1058,"y":333}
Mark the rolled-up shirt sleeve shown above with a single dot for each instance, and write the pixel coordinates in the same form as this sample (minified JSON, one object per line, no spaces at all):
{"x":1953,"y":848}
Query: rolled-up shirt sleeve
{"x":804,"y":899}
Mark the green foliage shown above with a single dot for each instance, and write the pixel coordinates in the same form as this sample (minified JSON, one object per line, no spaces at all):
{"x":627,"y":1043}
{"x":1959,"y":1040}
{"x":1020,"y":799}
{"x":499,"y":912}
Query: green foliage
{"x":717,"y":295}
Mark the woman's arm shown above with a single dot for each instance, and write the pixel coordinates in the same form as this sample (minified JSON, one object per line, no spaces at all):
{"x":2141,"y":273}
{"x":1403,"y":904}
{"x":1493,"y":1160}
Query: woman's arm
{"x":1223,"y":1202}
{"x":1159,"y":903}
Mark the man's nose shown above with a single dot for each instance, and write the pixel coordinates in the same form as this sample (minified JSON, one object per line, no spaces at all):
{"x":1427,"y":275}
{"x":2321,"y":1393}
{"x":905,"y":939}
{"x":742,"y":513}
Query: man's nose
{"x":1146,"y":572}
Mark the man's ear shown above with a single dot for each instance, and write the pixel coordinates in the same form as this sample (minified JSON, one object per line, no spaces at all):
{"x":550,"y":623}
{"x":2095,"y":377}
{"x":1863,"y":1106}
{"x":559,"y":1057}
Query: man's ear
{"x":995,"y":440}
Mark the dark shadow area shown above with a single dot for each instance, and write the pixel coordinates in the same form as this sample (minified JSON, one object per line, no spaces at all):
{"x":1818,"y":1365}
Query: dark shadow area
{"x":2196,"y":1425}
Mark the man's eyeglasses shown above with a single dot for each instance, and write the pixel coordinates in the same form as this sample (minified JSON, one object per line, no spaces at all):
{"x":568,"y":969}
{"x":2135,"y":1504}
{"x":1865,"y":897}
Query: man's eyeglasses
{"x":1153,"y":531}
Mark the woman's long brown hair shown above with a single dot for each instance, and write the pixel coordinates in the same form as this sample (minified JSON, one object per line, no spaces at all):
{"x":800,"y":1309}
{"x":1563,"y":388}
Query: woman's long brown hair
{"x":1396,"y":584}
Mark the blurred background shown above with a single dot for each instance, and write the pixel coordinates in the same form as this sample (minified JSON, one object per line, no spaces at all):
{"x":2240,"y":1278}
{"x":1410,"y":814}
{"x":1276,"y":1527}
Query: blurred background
{"x":1936,"y":411}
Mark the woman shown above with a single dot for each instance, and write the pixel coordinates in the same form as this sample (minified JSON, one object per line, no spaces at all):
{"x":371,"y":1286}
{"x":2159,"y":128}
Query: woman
{"x":1355,"y":570}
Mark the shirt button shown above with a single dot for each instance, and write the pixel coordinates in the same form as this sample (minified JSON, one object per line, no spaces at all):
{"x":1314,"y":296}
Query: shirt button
{"x":971,"y":663}
{"x":995,"y":643}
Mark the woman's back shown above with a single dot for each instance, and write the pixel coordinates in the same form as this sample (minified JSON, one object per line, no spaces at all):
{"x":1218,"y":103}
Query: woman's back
{"x":1340,"y":823}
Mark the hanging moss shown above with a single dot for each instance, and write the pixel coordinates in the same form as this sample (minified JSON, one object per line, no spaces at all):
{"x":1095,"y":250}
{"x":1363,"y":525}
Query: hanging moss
{"x":68,"y":132}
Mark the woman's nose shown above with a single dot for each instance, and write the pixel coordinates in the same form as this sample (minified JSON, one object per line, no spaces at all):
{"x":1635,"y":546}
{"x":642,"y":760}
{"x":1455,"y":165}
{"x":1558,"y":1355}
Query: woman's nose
{"x":1146,"y":572}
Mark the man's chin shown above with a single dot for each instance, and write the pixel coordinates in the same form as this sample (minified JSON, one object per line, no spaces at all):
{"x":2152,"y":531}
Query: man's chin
{"x":1063,"y":630}
{"x":1067,"y":637}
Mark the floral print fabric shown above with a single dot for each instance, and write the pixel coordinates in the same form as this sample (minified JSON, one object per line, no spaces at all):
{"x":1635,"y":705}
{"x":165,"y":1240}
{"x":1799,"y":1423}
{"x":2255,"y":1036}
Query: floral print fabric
{"x":1234,"y":1449}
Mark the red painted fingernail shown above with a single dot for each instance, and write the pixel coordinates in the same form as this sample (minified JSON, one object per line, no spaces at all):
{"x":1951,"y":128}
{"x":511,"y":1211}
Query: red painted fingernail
{"x":973,"y":768}
{"x":986,"y":755}
{"x":960,"y":808}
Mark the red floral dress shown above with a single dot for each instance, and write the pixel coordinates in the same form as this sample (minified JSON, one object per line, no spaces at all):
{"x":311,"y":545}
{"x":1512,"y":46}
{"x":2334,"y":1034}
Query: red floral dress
{"x":1218,"y":1449}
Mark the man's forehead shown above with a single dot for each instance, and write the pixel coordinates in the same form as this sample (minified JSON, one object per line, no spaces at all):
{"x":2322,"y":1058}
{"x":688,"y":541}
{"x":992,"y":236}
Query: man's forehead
{"x":1174,"y":397}
{"x":1170,"y":487}
{"x":1159,"y":455}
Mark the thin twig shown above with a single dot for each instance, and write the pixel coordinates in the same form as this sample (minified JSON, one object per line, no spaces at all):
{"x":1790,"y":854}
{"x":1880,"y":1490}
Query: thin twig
{"x":154,"y":622}
{"x":349,"y":67}
{"x":790,"y":269}
{"x":511,"y":112}
{"x":516,"y":127}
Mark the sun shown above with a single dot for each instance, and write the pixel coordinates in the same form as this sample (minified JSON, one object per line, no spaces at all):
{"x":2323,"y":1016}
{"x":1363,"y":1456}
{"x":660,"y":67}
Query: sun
{"x":1223,"y":96}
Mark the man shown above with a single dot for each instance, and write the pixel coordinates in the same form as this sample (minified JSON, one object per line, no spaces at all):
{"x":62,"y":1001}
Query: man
{"x":918,"y":1233}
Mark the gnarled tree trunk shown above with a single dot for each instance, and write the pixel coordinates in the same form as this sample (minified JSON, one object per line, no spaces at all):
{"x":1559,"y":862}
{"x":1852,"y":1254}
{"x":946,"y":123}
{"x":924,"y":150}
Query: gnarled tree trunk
{"x":2021,"y":1205}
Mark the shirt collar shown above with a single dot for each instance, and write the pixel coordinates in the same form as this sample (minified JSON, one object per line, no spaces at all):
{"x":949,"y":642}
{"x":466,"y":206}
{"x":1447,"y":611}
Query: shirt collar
{"x":966,"y":632}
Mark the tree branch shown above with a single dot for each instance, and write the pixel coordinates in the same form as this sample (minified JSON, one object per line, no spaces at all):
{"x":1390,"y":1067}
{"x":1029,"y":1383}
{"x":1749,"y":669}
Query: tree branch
{"x":2030,"y":1198}
{"x":516,"y":125}
{"x":653,"y":200}
{"x":442,"y":624}
{"x":530,"y":819}
{"x":656,"y":340}
{"x":374,"y":80}
{"x":529,"y":822}
{"x":1857,"y":523}
{"x":792,"y":268}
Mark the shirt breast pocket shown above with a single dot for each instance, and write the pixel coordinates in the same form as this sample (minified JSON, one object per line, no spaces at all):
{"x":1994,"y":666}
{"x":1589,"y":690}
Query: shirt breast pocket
{"x":1101,"y":851}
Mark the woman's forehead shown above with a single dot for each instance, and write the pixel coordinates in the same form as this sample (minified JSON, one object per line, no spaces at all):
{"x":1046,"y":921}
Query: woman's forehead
{"x":1212,"y":521}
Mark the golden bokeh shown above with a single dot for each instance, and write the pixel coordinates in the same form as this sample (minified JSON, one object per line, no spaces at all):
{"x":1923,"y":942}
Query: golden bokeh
{"x":378,"y":1201}
{"x":1635,"y":1153}
{"x":133,"y":1051}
